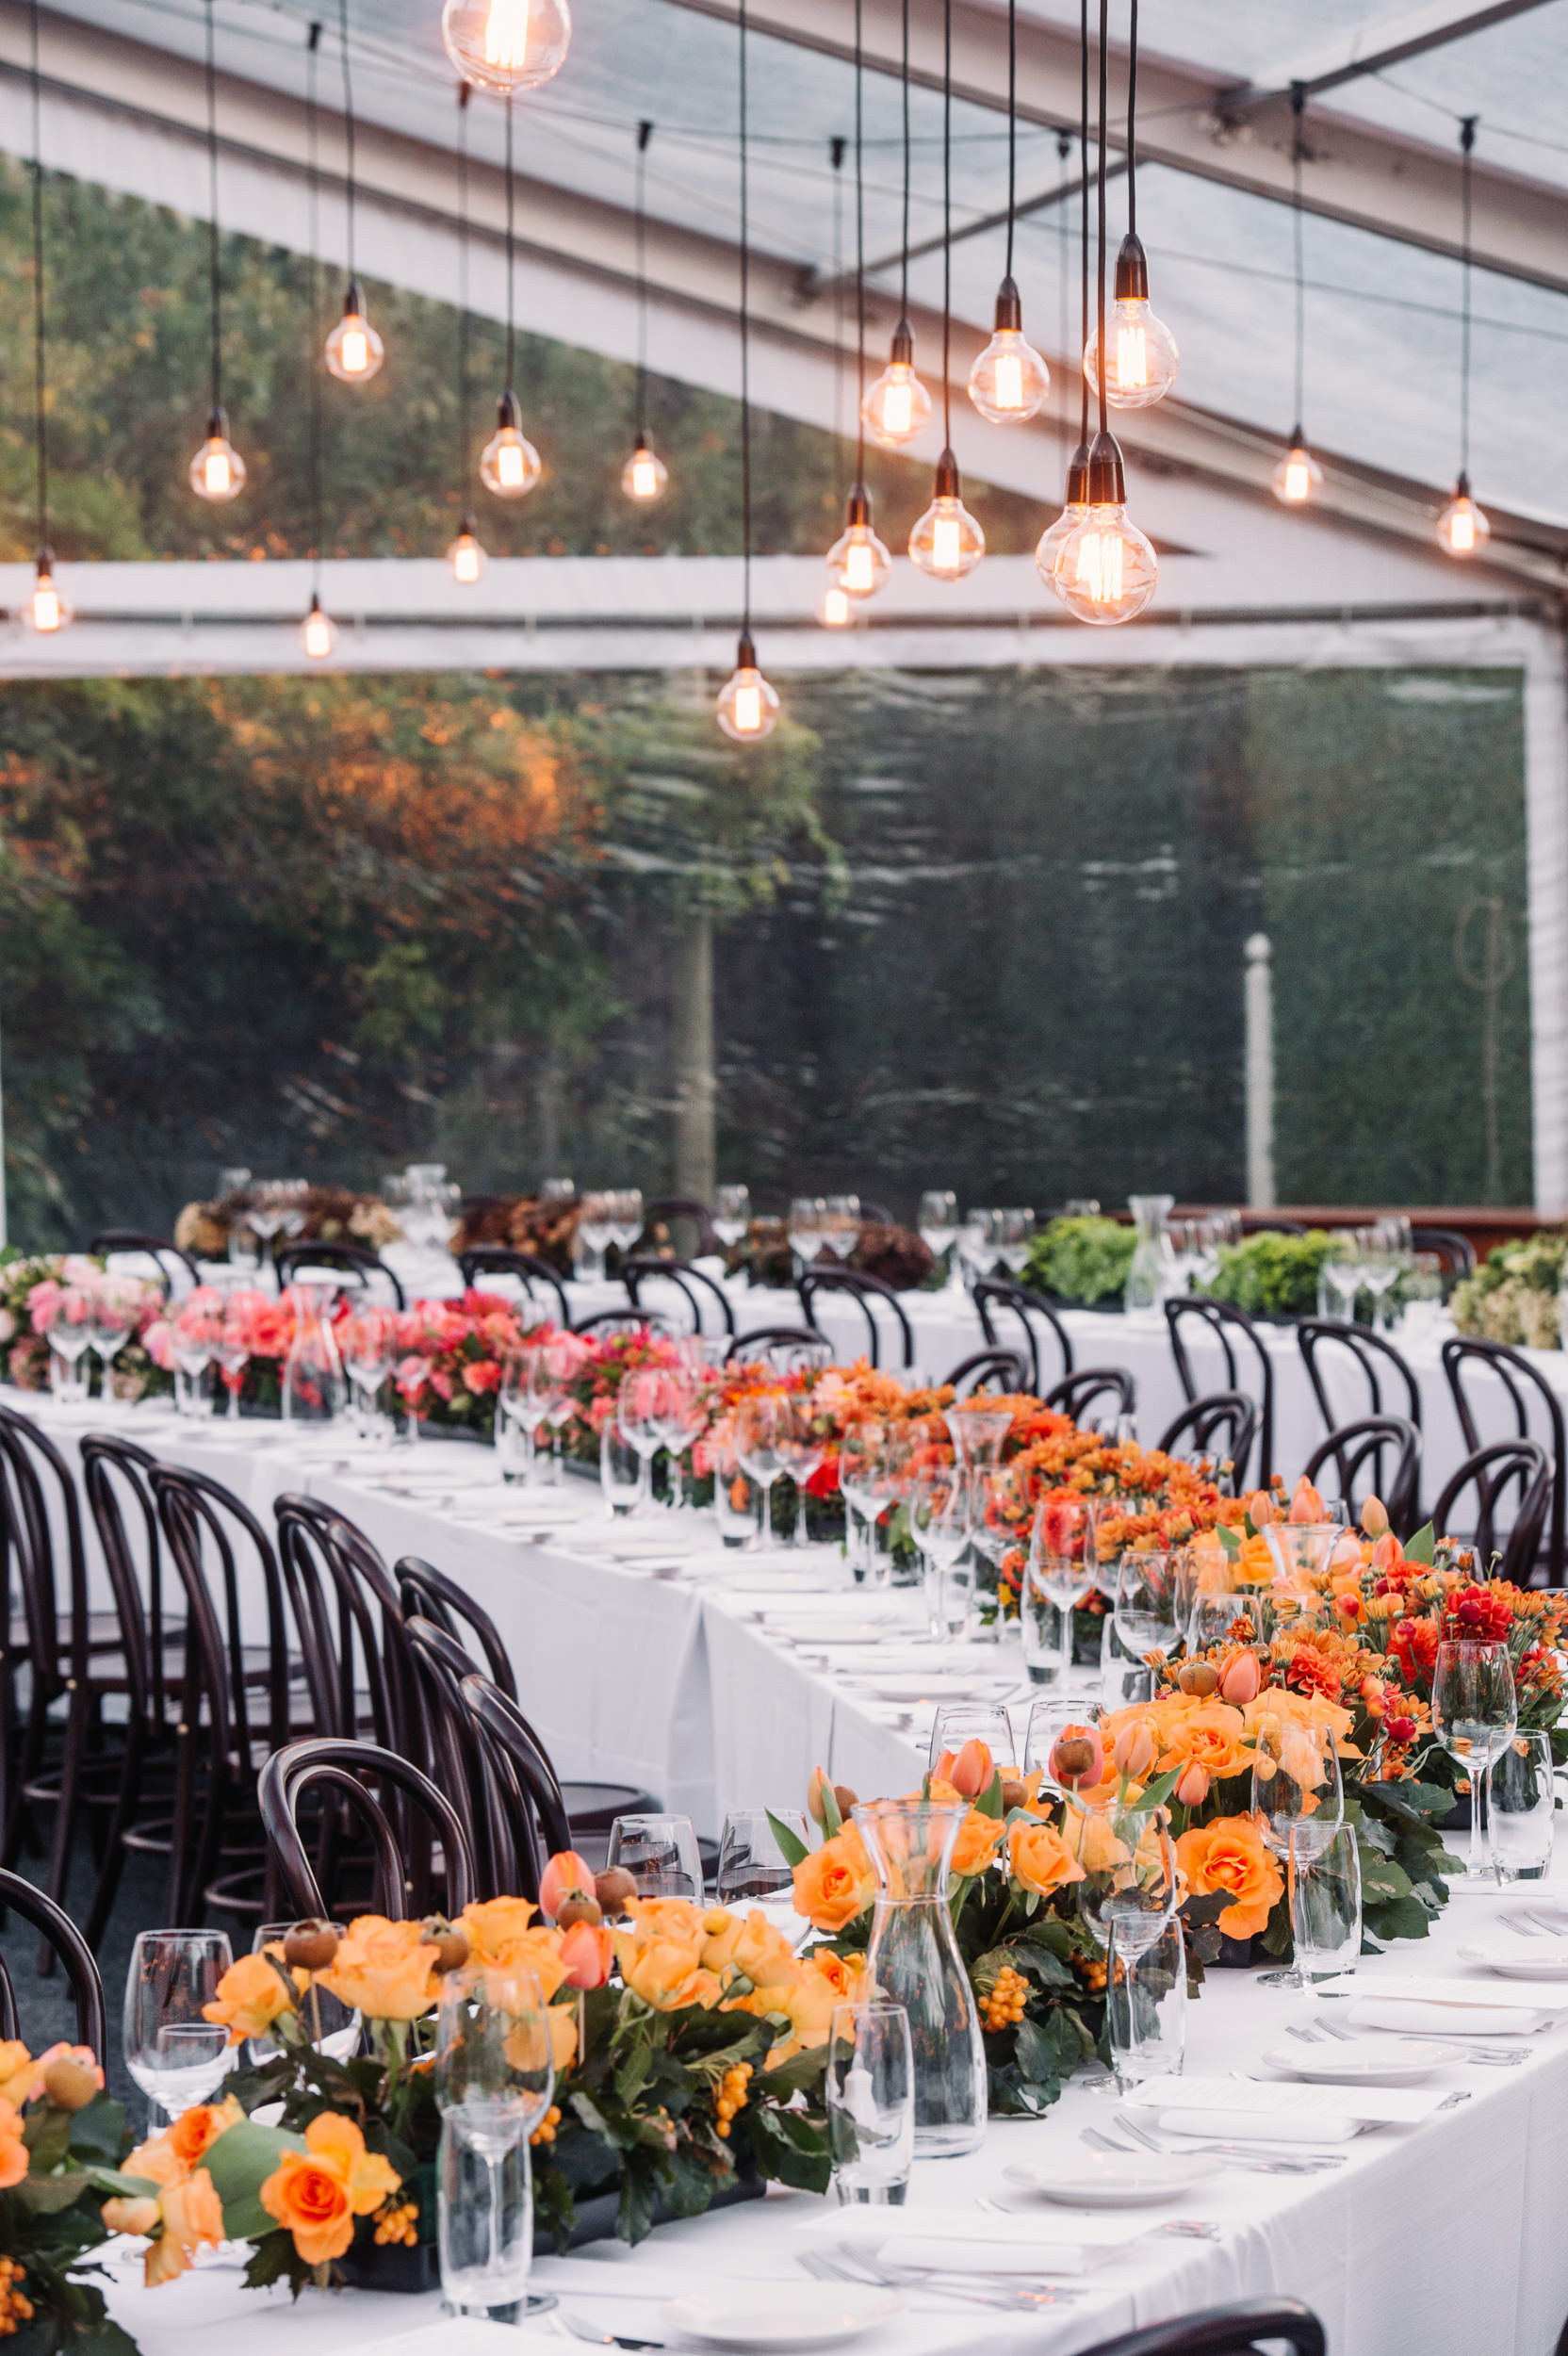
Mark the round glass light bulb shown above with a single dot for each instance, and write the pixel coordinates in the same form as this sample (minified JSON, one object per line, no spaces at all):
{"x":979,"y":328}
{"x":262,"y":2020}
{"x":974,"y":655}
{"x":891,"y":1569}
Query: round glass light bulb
{"x":218,"y":470}
{"x":1298,"y":477}
{"x":465,"y":557}
{"x":318,"y":632}
{"x":897,"y":406}
{"x":836,"y":609}
{"x":1047,"y":549}
{"x":747,"y":706}
{"x":1009,"y":381}
{"x":859,"y":561}
{"x":1462,"y":529}
{"x":507,"y":44}
{"x":1144,"y":358}
{"x":45,"y":611}
{"x":947,"y":542}
{"x":509,"y":465}
{"x":644,"y":474}
{"x":1107,"y":569}
{"x":354,"y":351}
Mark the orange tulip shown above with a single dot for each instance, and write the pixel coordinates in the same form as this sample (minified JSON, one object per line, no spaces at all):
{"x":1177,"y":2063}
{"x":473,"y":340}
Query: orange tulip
{"x":1134,"y":1751}
{"x":586,"y":1954}
{"x":1240,"y":1679}
{"x":1192,"y":1787}
{"x":566,"y":1875}
{"x":1373,"y":1517}
{"x":972,"y":1771}
{"x":1261,"y":1509}
{"x":1306,"y":1505}
{"x":1078,"y":1759}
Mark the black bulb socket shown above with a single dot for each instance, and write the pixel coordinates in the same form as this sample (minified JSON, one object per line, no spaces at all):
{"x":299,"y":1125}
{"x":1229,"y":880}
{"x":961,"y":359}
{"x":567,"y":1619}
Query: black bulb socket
{"x":1009,"y":307}
{"x":947,"y":477}
{"x":859,"y":516}
{"x":1462,"y":488}
{"x":508,"y":414}
{"x":1078,"y":477}
{"x":353,"y":301}
{"x":1131,"y":272}
{"x":745,"y":653}
{"x":904,"y":345}
{"x":44,"y":561}
{"x":217,"y":426}
{"x":1106,"y":483}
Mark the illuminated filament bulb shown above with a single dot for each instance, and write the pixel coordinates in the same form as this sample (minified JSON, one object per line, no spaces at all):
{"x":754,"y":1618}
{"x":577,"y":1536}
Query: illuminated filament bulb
{"x":319,"y":633}
{"x":218,"y":470}
{"x":1144,"y":358}
{"x":1048,"y":551}
{"x":509,"y":464}
{"x":1009,"y":381}
{"x":858,"y":562}
{"x":947,"y":542}
{"x":643,"y":477}
{"x":45,"y":610}
{"x":897,"y":406}
{"x":1462,"y":526}
{"x":354,"y":351}
{"x":1298,"y":477}
{"x":507,"y":44}
{"x":1106,"y":569}
{"x":836,"y":609}
{"x":465,"y":557}
{"x":747,"y":707}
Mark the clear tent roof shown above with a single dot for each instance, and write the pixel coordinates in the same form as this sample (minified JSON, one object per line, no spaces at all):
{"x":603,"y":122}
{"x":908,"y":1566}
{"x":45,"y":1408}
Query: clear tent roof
{"x":1382,"y":316}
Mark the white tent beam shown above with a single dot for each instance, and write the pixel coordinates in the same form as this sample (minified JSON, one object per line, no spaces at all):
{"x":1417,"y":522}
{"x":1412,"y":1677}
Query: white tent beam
{"x":1372,"y":48}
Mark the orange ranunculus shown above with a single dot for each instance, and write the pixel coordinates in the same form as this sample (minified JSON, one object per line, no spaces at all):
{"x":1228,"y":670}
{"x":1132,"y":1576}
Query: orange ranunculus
{"x":319,"y":2192}
{"x":835,"y":1883}
{"x":13,"y":2152}
{"x":979,"y":1838}
{"x":748,"y":1944}
{"x":1229,"y":1855}
{"x":250,"y":1995}
{"x":382,"y":1970}
{"x":196,"y":2130}
{"x":1210,"y":1735}
{"x":566,"y":1875}
{"x":586,"y":1955}
{"x":1039,"y":1858}
{"x":845,"y":1974}
{"x":666,"y":1973}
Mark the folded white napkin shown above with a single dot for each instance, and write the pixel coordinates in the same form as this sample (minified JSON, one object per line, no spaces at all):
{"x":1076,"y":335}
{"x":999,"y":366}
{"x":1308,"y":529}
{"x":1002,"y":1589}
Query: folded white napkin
{"x":1404,"y":2016}
{"x":1260,"y":2127}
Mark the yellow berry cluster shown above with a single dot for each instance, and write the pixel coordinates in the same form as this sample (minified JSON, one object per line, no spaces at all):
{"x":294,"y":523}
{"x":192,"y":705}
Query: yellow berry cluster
{"x":397,"y":2224}
{"x":14,"y":2309}
{"x":1092,"y":1970}
{"x":1003,"y":2007}
{"x":732,"y":2094}
{"x":545,"y":2132}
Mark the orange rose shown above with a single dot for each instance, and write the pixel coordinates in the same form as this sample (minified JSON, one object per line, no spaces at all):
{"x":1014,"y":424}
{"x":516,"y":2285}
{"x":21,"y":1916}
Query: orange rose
{"x":192,"y":2211}
{"x":1212,"y":1736}
{"x":1039,"y":1858}
{"x":382,"y":1970}
{"x":845,"y":1974}
{"x":250,"y":1995}
{"x":196,"y":2130}
{"x":669,"y":1918}
{"x":1229,"y":1855}
{"x":747,"y":1944}
{"x":20,"y":2075}
{"x":495,"y":1927}
{"x":13,"y":2152}
{"x":666,"y":1973}
{"x":563,"y":2026}
{"x":979,"y":1838}
{"x":319,"y":2192}
{"x":835,"y":1883}
{"x":130,"y":2216}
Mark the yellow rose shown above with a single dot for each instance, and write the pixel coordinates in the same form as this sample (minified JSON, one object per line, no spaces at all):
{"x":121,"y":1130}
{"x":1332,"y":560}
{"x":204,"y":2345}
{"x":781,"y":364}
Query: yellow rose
{"x":666,"y":1973}
{"x":536,"y":1951}
{"x":382,"y":1970}
{"x":845,"y":1974}
{"x":750,"y":1946}
{"x":495,"y":1927}
{"x":836,"y":1882}
{"x":670,"y":1918}
{"x":1210,"y":1735}
{"x":20,"y":2075}
{"x":979,"y":1838}
{"x":1229,"y":1855}
{"x":250,"y":1995}
{"x":1039,"y":1858}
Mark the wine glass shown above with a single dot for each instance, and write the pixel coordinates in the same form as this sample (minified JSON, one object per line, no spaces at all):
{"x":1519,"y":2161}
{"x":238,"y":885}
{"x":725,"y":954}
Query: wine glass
{"x":641,"y":1405}
{"x":369,"y":1340}
{"x":942,"y":1520}
{"x":1049,"y":1721}
{"x":759,"y":1424}
{"x":116,"y":1313}
{"x":937,"y":1220}
{"x":683,"y":1420}
{"x":807,"y":1227}
{"x":1064,"y":1561}
{"x":843,"y":1230}
{"x":979,"y":1245}
{"x":731,"y":1213}
{"x":1015,"y":1230}
{"x":596,"y":1233}
{"x":958,"y":1723}
{"x":69,"y":1333}
{"x":859,"y":1448}
{"x":753,"y":1869}
{"x":325,"y":2021}
{"x":232,"y":1350}
{"x":660,"y":1854}
{"x":266,"y":1214}
{"x":1128,"y":1897}
{"x":494,"y":2074}
{"x":194,"y":1334}
{"x":174,"y":2056}
{"x":1299,"y":1801}
{"x":802,"y":1449}
{"x":1149,"y":1603}
{"x":1475,"y":1710}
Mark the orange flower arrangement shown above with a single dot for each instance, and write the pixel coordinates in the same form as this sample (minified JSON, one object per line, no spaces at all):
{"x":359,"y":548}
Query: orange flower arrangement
{"x":835,"y":1883}
{"x":319,"y":2192}
{"x":1229,"y":1855}
{"x":382,"y":1970}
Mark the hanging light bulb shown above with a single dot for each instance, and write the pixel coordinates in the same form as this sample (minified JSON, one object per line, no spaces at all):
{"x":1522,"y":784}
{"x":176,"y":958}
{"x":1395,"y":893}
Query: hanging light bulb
{"x":1144,"y":359}
{"x":947,"y":542}
{"x":1009,"y":381}
{"x":643,"y":476}
{"x":218,"y":470}
{"x":354,"y":351}
{"x":465,"y":557}
{"x":45,"y":610}
{"x":835,"y":609}
{"x":857,"y":560}
{"x":1298,"y":477}
{"x":509,"y":464}
{"x":897,"y":406}
{"x":507,"y":44}
{"x":1462,"y":528}
{"x":1106,"y":570}
{"x":747,"y":707}
{"x":1053,"y":539}
{"x":318,"y":631}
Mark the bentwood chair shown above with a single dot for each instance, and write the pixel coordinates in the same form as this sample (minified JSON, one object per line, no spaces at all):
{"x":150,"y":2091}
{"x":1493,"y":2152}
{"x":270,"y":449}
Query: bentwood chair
{"x":349,"y":1613}
{"x":1487,"y":1475}
{"x":458,"y":1761}
{"x":683,"y":1209}
{"x":771,"y":1340}
{"x":65,"y":1940}
{"x":498,"y":1259}
{"x":1219,"y":1430}
{"x":1524,"y":1387}
{"x":1082,"y":1390}
{"x":1328,"y":1342}
{"x":870,"y":1292}
{"x":998,"y":1296}
{"x":1236,"y":2330}
{"x":169,"y":1260}
{"x":1230,"y":1328}
{"x":429,"y":1595}
{"x":694,"y":1285}
{"x":354,"y":1259}
{"x":1378,"y":1456}
{"x":606,"y":1323}
{"x":533,"y":1821}
{"x":1456,"y":1251}
{"x":1004,"y":1367}
{"x":421,"y":1848}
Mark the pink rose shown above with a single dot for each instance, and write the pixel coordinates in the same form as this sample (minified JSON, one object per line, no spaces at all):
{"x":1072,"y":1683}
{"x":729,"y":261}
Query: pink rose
{"x":485,"y":1375}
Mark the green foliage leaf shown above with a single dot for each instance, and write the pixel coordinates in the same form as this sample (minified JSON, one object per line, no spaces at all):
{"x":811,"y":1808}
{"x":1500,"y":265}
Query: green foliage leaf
{"x":787,"y":2147}
{"x":239,"y":2164}
{"x":790,"y":1846}
{"x":274,"y":2259}
{"x":98,"y":2131}
{"x":1420,"y":1548}
{"x":1400,"y":1918}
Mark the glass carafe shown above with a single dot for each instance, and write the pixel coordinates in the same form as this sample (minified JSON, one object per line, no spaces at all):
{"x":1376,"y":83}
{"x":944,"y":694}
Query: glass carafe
{"x":1149,"y":1276}
{"x":313,"y":1387}
{"x":914,"y":1961}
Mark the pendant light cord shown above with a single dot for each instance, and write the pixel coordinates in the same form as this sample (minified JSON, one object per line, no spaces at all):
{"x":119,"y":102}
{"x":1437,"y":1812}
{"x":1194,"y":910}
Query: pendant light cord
{"x":465,"y":92}
{"x":41,"y":379}
{"x":1064,"y":257}
{"x":1100,"y":371}
{"x":1467,"y":143}
{"x":947,"y":221}
{"x":1132,"y":121}
{"x":312,"y":132}
{"x":904,"y":276}
{"x":1298,"y":107}
{"x":838,"y":148}
{"x":860,"y":253}
{"x":347,"y":121}
{"x":746,"y":335}
{"x":511,"y":274}
{"x":644,"y":133}
{"x":1012,"y":124}
{"x":217,"y":285}
{"x":1083,"y":192}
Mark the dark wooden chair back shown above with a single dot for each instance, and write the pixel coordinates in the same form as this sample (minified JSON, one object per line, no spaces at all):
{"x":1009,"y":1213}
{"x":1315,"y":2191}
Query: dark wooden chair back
{"x":1489,"y":1473}
{"x":168,"y":1255}
{"x":1231,"y":1328}
{"x":982,"y":1368}
{"x":1456,"y":1251}
{"x":498,"y":1259}
{"x":81,"y":1970}
{"x":116,"y":1479}
{"x":1235,"y":2329}
{"x":409,"y":1867}
{"x":350,"y":1619}
{"x":1377,"y":1456}
{"x":868,"y":1291}
{"x":1078,"y":1392}
{"x":998,"y":1298}
{"x":46,"y":1628}
{"x":768,"y":1338}
{"x":694,"y":1285}
{"x":607,"y":1321}
{"x":661,"y":1209}
{"x":1523,"y":1386}
{"x":523,"y":1773}
{"x":1383,"y":1369}
{"x":458,"y":1761}
{"x":1221,"y":1428}
{"x":428,"y":1593}
{"x":356,"y":1259}
{"x":208,"y":1532}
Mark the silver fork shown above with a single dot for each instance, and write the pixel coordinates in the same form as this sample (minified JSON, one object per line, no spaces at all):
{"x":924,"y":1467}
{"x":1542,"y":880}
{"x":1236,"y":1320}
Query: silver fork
{"x":1179,"y":2227}
{"x":1488,"y":2056}
{"x":852,"y":2267}
{"x":1241,"y":2155}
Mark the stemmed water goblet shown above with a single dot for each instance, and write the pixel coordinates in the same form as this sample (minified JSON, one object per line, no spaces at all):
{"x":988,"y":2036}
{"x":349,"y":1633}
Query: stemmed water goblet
{"x":1014,"y":1230}
{"x":759,"y":1424}
{"x":1153,"y":1600}
{"x":803,"y":1449}
{"x":958,"y":1723}
{"x":625,"y":1215}
{"x":1127,"y":1901}
{"x":1063,"y":1562}
{"x":1298,"y":1802}
{"x":596,"y":1233}
{"x":942,"y":1506}
{"x":232,"y":1350}
{"x":1380,"y":1267}
{"x":1474,"y":1712}
{"x":195,"y":1332}
{"x":70,"y":1334}
{"x":641,"y":1408}
{"x":116,"y":1312}
{"x":174,"y":2054}
{"x":859,"y":1448}
{"x":731,"y":1213}
{"x":843,"y":1227}
{"x":494,"y":2074}
{"x":369,"y":1340}
{"x":938,"y":1222}
{"x":807,"y":1227}
{"x":683,"y":1420}
{"x":979,"y":1246}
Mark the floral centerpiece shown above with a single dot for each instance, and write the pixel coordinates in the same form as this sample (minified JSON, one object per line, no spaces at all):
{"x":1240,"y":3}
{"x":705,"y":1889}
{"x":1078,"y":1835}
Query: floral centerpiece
{"x":61,"y":2140}
{"x":37,"y":1288}
{"x":331,"y":1214}
{"x":1515,"y":1295}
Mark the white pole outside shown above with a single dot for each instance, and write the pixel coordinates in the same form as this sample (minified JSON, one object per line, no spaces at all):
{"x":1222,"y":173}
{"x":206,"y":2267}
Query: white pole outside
{"x":1260,"y":1074}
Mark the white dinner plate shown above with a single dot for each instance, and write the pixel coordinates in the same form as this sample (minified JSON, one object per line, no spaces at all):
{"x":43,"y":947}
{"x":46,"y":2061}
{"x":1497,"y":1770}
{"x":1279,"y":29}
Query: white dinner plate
{"x":827,"y":1632}
{"x":1379,"y":2061}
{"x":783,"y":2314}
{"x":1112,"y":2180}
{"x":1520,"y":1958}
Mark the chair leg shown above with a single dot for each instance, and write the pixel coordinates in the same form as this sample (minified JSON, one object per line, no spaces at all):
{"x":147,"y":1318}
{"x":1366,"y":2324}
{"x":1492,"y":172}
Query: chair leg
{"x":72,"y":1763}
{"x":128,"y":1800}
